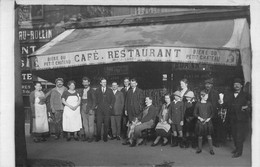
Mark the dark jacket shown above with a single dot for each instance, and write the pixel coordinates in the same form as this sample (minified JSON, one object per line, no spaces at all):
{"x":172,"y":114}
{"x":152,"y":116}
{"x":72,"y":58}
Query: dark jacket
{"x":119,"y":104}
{"x":104,"y":101}
{"x":203,"y":110}
{"x":150,"y":116}
{"x":189,"y":109}
{"x":234,"y":105}
{"x":213,"y":99}
{"x":134,"y":103}
{"x":176,"y":112}
{"x":90,"y":101}
{"x":124,"y":91}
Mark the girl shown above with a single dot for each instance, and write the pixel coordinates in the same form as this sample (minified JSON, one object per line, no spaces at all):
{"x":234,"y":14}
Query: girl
{"x":39,"y":113}
{"x":71,"y":115}
{"x":203,"y":112}
{"x":163,"y":127}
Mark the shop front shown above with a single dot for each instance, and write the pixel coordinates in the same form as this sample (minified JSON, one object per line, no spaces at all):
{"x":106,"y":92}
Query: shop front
{"x":157,"y":55}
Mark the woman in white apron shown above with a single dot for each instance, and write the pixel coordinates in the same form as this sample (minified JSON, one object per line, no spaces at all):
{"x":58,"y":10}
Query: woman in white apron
{"x":39,"y":113}
{"x":71,"y":115}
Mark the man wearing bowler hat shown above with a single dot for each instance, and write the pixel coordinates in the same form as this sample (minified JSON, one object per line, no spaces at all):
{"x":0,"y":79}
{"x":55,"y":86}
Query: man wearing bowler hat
{"x":216,"y":121}
{"x":238,"y":105}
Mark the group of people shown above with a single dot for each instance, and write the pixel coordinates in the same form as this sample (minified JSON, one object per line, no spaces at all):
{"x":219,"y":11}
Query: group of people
{"x":126,"y":113}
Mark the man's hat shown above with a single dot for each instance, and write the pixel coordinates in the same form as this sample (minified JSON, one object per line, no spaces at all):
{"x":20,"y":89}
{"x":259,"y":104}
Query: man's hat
{"x":189,"y":94}
{"x":238,"y":80}
{"x":59,"y":79}
{"x":210,"y":81}
{"x":177,"y":93}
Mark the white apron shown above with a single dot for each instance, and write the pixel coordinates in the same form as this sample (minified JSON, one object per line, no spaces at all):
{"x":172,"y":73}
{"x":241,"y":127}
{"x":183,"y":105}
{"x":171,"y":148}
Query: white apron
{"x":71,"y":119}
{"x":40,"y":122}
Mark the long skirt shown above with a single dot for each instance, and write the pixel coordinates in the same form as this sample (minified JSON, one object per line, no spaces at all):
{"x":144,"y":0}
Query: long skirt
{"x":163,"y":129}
{"x":40,"y":122}
{"x":71,"y":119}
{"x":203,"y":129}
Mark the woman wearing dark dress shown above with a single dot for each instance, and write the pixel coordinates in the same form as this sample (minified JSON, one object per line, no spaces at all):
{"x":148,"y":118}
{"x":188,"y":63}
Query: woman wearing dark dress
{"x":203,"y":112}
{"x":163,"y":127}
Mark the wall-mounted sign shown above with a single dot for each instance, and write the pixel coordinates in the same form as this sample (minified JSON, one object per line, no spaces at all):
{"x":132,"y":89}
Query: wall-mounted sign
{"x":27,"y":88}
{"x":192,"y":67}
{"x":35,"y":35}
{"x":27,"y":76}
{"x":137,"y":54}
{"x":116,"y":70}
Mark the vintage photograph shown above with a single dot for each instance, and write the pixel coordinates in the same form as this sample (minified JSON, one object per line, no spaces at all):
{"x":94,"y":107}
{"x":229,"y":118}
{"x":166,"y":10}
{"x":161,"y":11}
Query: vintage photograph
{"x":133,"y":85}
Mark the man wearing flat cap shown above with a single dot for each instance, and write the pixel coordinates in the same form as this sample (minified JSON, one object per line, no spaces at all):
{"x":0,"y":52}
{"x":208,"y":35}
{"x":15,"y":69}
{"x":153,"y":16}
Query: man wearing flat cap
{"x":213,"y":99}
{"x":57,"y":106}
{"x":238,"y":105}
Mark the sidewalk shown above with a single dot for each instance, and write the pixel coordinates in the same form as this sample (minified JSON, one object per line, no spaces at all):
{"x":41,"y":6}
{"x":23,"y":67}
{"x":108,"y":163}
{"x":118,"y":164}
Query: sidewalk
{"x":113,"y":153}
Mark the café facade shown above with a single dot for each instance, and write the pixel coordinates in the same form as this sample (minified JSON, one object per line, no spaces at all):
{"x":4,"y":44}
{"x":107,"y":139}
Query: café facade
{"x":158,"y":54}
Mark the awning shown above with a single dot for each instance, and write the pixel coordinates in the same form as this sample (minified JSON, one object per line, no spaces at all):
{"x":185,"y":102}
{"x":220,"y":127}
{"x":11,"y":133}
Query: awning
{"x":210,"y":42}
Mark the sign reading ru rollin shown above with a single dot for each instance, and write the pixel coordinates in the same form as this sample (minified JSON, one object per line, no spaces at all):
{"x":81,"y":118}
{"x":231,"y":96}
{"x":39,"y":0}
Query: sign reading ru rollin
{"x":137,"y":54}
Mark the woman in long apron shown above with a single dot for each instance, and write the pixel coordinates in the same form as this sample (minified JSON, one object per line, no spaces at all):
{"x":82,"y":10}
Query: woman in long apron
{"x":39,"y":113}
{"x":71,"y":115}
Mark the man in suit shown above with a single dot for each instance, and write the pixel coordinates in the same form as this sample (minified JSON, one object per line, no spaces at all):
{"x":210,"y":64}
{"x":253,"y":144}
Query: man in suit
{"x":146,"y":120}
{"x":238,"y":105}
{"x":105,"y":101}
{"x":216,"y":121}
{"x":125,"y":90}
{"x":88,"y":103}
{"x":134,"y":101}
{"x":117,"y":112}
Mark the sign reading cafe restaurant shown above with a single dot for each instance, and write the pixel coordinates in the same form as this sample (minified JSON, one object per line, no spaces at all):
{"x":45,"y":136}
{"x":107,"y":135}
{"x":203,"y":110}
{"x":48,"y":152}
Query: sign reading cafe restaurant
{"x":136,"y":54}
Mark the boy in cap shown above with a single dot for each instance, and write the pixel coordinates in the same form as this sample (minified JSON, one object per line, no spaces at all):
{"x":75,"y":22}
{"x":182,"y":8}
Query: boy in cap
{"x":176,"y":116}
{"x":238,"y":105}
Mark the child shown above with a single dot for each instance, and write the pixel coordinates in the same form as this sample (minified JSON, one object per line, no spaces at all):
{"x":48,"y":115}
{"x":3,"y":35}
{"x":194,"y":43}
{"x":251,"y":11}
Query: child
{"x":130,"y":135}
{"x":204,"y":112}
{"x":190,"y":121}
{"x":176,"y":113}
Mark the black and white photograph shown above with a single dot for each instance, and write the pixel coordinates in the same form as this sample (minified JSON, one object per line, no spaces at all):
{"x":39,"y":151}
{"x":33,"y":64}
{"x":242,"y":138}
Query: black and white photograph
{"x":130,"y":84}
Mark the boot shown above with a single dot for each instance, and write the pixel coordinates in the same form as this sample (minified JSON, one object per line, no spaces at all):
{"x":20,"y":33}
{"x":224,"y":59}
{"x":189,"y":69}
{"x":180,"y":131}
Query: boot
{"x":174,"y":141}
{"x":199,"y":145}
{"x":182,"y":142}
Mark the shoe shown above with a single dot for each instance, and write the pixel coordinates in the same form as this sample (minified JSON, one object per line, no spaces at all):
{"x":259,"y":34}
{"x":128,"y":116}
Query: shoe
{"x":90,"y":140}
{"x":198,"y":151}
{"x":105,"y":139}
{"x":112,"y":138}
{"x":43,"y":139}
{"x":216,"y":145}
{"x":118,"y":138}
{"x":133,"y":144}
{"x":211,"y":152}
{"x":68,"y":139}
{"x":126,"y":143}
{"x":57,"y":137}
{"x":164,"y":144}
{"x":174,"y":144}
{"x":155,"y":144}
{"x":36,"y":140}
{"x":236,"y":155}
{"x":76,"y":138}
{"x":97,"y":139}
{"x":234,"y":151}
{"x":141,"y":143}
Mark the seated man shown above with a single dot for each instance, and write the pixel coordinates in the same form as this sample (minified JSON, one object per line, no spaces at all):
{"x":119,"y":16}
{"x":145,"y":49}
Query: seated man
{"x":146,"y":121}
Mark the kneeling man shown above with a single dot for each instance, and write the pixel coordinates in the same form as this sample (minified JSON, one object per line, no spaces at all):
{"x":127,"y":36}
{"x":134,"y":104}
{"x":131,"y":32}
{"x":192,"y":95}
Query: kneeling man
{"x":145,"y":121}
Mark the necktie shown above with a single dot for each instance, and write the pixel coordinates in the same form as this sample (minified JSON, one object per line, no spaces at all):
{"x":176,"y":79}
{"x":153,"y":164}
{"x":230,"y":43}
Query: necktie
{"x":103,"y":90}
